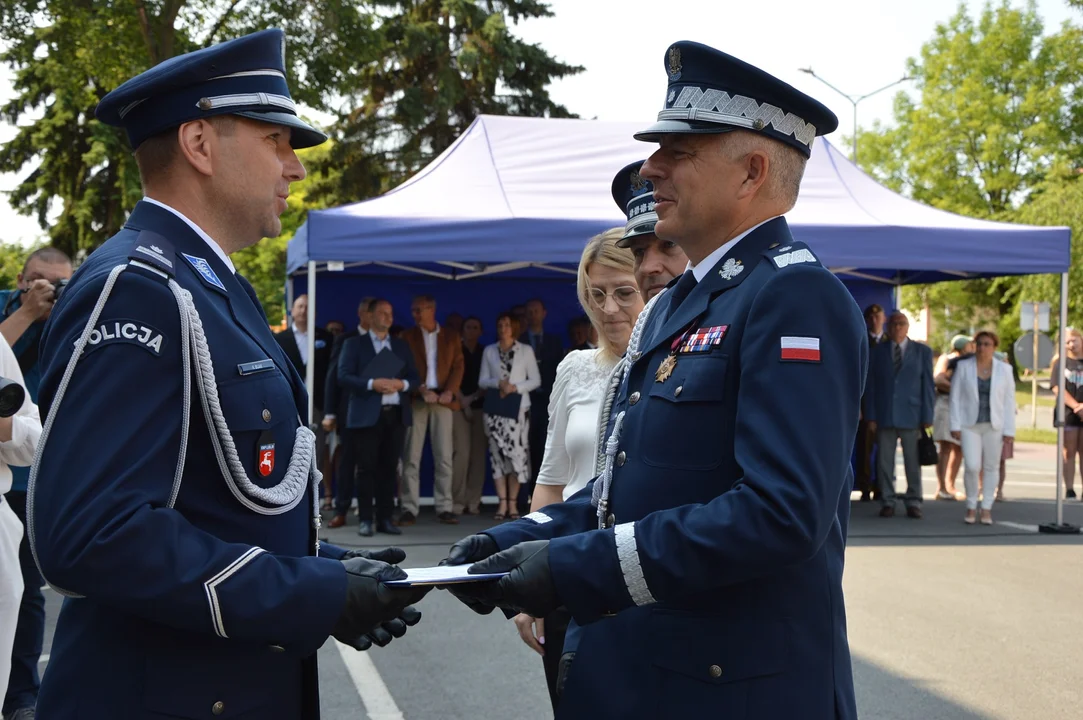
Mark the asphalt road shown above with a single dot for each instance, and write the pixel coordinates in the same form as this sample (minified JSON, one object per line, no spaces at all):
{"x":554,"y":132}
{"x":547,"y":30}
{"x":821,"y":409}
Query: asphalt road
{"x":947,"y":622}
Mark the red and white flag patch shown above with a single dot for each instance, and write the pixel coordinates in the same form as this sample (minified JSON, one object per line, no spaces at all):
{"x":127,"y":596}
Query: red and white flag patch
{"x":800,"y":349}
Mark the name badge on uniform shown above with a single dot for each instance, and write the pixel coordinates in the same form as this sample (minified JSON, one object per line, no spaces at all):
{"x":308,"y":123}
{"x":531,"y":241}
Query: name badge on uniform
{"x":703,"y":339}
{"x":266,"y":455}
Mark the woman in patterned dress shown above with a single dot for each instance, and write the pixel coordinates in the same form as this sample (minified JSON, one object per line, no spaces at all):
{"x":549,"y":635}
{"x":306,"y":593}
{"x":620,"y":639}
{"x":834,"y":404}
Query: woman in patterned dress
{"x":509,"y":367}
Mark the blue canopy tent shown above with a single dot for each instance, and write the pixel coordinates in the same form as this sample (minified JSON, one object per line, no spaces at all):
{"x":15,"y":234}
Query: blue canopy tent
{"x":505,"y":211}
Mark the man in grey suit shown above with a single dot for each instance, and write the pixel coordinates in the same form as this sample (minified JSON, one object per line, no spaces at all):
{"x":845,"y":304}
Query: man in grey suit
{"x":900,"y":403}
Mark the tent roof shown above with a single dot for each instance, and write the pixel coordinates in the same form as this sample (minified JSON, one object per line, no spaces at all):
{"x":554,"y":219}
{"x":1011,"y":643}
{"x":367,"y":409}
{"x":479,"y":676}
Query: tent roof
{"x":529,"y":192}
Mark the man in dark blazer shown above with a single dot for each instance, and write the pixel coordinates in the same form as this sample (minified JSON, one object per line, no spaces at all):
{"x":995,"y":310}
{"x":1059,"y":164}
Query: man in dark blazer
{"x":866,"y":438}
{"x":549,"y":351}
{"x":294,"y":342}
{"x":899,"y":406}
{"x":377,"y":416}
{"x":336,"y":402}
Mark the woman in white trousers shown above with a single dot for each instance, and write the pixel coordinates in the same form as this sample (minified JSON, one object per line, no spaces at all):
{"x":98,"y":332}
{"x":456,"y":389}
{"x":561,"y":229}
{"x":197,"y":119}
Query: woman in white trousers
{"x":18,"y":441}
{"x":983,"y":420}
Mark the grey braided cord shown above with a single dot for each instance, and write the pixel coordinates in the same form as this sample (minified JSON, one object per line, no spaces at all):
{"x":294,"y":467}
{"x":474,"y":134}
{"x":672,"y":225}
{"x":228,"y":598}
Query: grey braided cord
{"x":284,"y":496}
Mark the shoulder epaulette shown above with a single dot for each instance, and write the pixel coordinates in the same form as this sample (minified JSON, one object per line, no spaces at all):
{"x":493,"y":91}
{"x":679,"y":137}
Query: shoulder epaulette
{"x":792,"y":253}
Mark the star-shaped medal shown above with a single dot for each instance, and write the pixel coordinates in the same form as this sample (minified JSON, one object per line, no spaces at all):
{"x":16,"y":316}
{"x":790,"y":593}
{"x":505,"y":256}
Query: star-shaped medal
{"x":666,"y":368}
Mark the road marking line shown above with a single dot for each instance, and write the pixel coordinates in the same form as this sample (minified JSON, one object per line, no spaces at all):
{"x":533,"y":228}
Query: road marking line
{"x":1017,"y":526}
{"x":379,"y":705}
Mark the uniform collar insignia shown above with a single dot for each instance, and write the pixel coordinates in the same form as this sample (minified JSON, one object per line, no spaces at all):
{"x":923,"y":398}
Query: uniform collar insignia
{"x":205,"y":270}
{"x":731,"y":269}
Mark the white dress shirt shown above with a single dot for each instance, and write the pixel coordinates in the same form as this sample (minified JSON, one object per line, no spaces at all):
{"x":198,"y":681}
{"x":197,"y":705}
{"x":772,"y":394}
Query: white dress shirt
{"x":430,"y":355}
{"x":571,"y":442}
{"x":198,"y":231}
{"x":302,"y":343}
{"x":378,"y":345}
{"x":704,"y":266}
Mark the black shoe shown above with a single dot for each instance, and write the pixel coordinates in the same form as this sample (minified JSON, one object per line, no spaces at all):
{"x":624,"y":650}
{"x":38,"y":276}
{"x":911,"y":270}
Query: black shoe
{"x":887,"y":511}
{"x":1070,"y":494}
{"x":388,"y":528}
{"x":364,"y":528}
{"x":448,"y":518}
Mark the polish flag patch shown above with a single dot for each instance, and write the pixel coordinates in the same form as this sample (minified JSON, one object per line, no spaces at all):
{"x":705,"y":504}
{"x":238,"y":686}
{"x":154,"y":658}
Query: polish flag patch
{"x":800,"y":349}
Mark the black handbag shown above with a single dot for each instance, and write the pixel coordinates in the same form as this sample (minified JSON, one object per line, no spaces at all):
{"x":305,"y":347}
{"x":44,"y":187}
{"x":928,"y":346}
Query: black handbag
{"x":927,"y":454}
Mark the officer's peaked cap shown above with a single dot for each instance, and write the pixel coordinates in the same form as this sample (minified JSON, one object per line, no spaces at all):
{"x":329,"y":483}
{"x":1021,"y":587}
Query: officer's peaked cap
{"x":712,"y":92}
{"x":634,"y":195}
{"x":245,"y":76}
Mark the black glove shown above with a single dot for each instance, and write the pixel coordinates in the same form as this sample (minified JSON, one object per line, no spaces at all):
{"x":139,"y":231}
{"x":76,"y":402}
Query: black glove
{"x":370,"y":602}
{"x":382,"y":634}
{"x":471,"y":549}
{"x":391,"y":555}
{"x":527,"y":588}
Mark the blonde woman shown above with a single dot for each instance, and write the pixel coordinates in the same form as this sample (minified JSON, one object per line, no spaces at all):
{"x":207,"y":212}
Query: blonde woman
{"x":608,"y":293}
{"x":1072,"y":367}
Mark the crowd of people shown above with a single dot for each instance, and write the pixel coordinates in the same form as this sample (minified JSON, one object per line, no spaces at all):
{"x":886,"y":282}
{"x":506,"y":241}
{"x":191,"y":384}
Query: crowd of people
{"x":962,"y":403}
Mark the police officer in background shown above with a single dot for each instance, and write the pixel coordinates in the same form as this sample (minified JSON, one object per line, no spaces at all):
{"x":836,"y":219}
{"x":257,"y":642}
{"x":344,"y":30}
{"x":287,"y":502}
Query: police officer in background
{"x":24,"y":311}
{"x":657,"y":261}
{"x":704,"y":565}
{"x":175,"y":495}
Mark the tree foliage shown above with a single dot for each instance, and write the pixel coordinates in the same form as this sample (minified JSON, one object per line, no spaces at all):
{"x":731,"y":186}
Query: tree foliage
{"x":402,"y":79}
{"x":999,"y":113}
{"x":443,"y":63}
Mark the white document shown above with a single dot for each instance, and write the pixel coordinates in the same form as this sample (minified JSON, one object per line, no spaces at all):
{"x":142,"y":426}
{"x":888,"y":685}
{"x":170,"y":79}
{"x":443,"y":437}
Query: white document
{"x":443,"y":575}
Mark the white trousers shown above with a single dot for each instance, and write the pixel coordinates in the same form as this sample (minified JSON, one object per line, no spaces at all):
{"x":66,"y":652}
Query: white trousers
{"x":982,"y":447}
{"x":11,"y":587}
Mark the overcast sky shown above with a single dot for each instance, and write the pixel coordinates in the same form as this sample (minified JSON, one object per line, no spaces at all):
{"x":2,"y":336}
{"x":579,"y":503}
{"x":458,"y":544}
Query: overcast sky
{"x":856,"y":45}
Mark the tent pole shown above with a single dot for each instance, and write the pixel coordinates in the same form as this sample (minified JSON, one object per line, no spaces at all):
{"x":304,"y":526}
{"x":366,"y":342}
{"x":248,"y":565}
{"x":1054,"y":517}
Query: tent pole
{"x":310,"y":366}
{"x":1059,"y":527}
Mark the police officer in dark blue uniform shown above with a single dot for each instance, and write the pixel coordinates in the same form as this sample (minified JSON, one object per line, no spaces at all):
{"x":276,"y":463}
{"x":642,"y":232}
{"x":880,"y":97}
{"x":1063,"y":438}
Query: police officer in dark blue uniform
{"x":174,"y":495}
{"x":704,"y":565}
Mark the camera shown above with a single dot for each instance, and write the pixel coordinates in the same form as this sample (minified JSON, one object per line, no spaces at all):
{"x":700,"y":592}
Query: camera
{"x":58,"y":287}
{"x":12,"y":395}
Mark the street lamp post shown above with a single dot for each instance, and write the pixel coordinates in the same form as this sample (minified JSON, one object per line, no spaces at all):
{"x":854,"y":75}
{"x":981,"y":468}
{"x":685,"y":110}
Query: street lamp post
{"x":854,"y":101}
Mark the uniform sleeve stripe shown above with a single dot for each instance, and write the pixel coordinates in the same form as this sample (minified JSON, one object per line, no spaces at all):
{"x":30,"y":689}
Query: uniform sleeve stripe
{"x":628,"y":556}
{"x":538,"y":517}
{"x":211,"y":587}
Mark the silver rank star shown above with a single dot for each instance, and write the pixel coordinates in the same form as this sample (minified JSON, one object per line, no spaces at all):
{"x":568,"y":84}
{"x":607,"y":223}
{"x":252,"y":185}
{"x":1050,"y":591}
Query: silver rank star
{"x":731,"y":269}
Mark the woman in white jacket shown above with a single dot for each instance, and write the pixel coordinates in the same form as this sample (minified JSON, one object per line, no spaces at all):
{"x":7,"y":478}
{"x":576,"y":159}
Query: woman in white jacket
{"x":510,"y":368}
{"x":18,"y":442}
{"x":983,"y":420}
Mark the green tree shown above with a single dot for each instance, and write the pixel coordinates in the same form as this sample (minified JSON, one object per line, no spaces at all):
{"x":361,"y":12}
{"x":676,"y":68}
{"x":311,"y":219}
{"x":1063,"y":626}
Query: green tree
{"x":1000,"y":109}
{"x":403,"y":78}
{"x":442,"y":63}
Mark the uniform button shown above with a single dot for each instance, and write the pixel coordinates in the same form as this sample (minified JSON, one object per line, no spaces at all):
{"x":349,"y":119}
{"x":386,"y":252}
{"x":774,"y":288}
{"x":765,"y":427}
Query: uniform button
{"x":677,"y":392}
{"x":218,"y":708}
{"x":205,"y":104}
{"x":277,"y":648}
{"x":266,"y":415}
{"x":621,"y":457}
{"x":634,"y":398}
{"x":716,"y":672}
{"x":611,"y":520}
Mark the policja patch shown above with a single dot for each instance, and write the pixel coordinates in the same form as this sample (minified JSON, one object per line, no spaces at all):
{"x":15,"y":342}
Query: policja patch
{"x":265,"y":458}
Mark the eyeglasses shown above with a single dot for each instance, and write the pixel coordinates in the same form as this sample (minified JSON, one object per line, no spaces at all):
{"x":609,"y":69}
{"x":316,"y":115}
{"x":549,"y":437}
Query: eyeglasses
{"x":624,"y":296}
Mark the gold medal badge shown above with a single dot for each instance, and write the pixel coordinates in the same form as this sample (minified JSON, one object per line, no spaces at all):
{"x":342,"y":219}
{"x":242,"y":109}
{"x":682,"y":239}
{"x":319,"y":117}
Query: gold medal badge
{"x":666,"y":368}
